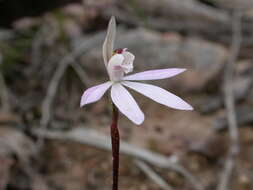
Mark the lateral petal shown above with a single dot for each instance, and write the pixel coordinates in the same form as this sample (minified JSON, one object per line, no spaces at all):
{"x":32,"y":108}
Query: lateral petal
{"x":94,"y":93}
{"x":159,"y":95}
{"x":155,"y":74}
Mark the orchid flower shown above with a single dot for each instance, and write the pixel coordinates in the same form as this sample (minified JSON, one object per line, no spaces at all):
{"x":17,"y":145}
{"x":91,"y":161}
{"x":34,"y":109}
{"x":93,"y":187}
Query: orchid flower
{"x":120,"y":62}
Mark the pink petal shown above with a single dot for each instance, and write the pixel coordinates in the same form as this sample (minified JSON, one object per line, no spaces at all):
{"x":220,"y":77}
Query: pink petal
{"x":159,"y":95}
{"x":154,"y":74}
{"x":109,"y":41}
{"x":94,"y":93}
{"x":126,"y":103}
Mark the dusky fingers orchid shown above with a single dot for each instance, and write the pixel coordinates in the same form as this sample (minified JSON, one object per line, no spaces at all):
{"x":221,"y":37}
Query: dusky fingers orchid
{"x":118,"y":63}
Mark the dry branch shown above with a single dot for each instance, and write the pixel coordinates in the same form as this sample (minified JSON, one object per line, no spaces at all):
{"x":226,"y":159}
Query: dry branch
{"x":230,"y":104}
{"x":92,"y":138}
{"x":37,"y":45}
{"x":3,"y":91}
{"x":63,"y":64}
{"x":69,"y":59}
{"x":188,"y":16}
{"x":173,"y":15}
{"x":153,"y":175}
{"x":182,"y":9}
{"x":81,"y":73}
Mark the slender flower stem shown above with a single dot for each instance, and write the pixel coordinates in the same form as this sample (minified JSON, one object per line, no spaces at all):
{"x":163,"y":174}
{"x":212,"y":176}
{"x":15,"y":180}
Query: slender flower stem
{"x":115,"y":138}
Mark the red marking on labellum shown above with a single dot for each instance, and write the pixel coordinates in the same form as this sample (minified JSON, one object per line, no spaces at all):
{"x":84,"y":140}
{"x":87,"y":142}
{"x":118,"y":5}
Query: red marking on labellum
{"x":119,"y":51}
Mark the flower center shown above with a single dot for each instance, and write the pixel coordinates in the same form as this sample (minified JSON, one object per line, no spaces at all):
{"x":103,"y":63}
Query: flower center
{"x":118,"y":51}
{"x":120,"y":63}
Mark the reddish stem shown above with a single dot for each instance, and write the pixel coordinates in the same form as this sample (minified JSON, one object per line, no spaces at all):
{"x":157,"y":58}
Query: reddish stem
{"x":115,"y":138}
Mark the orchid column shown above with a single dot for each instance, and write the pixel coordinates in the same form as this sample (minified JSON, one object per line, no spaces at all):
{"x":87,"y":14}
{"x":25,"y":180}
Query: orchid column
{"x":118,"y":63}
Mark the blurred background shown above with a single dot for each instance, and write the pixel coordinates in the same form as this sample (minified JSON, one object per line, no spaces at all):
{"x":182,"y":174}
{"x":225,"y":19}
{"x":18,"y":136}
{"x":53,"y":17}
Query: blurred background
{"x":51,"y":51}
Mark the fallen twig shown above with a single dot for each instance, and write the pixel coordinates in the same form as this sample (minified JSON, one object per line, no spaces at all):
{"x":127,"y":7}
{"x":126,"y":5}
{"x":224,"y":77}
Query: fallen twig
{"x":241,"y":90}
{"x":54,"y":83}
{"x":244,"y":115}
{"x":13,"y":143}
{"x":230,"y":104}
{"x":37,"y":43}
{"x":64,"y":63}
{"x":191,"y":16}
{"x":92,"y":138}
{"x":153,"y":175}
{"x":81,"y":73}
{"x":4,"y":91}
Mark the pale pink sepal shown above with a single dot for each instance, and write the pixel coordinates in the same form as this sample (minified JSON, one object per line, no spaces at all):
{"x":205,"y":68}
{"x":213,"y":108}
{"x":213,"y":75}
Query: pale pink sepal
{"x":109,"y":41}
{"x":159,"y":95}
{"x":126,"y":103}
{"x":94,"y":93}
{"x":155,"y":74}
